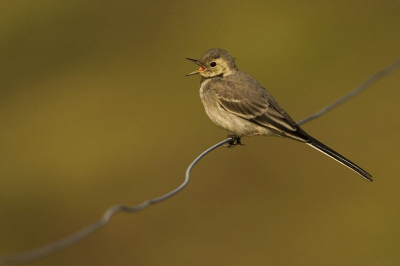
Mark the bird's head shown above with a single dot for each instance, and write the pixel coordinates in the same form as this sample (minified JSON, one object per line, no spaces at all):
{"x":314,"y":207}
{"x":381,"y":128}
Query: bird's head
{"x":214,"y":62}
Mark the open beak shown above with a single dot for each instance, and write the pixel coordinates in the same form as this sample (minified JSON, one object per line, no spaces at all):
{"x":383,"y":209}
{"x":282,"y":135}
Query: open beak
{"x":197,"y":63}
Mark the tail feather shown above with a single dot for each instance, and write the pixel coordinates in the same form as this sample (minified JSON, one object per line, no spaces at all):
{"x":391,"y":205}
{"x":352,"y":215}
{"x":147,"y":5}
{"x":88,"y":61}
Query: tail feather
{"x":334,"y":155}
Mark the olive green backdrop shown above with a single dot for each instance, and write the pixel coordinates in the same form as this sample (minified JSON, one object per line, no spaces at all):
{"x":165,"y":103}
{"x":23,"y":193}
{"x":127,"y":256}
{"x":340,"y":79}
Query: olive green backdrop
{"x":95,"y":110}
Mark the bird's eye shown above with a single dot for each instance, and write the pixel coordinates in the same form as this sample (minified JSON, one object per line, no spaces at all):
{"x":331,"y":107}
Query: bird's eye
{"x":213,"y":64}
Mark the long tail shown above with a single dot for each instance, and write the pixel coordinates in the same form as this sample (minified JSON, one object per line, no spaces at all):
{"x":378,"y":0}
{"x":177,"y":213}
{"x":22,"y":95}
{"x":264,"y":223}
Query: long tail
{"x":334,"y":155}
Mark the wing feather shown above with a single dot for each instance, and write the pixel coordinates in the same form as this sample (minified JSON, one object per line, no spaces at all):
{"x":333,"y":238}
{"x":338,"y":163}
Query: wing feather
{"x":257,"y":106}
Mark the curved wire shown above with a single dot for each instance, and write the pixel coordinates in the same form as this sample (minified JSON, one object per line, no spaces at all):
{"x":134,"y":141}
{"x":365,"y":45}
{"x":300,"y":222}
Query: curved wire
{"x":51,"y":248}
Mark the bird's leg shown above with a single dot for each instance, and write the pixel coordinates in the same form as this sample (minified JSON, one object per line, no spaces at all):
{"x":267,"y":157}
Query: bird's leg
{"x":235,"y":141}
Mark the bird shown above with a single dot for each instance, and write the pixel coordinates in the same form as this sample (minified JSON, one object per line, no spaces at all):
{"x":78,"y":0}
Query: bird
{"x":242,"y":107}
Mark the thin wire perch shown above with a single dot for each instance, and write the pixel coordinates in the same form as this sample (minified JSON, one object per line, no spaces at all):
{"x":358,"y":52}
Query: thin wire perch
{"x":64,"y":243}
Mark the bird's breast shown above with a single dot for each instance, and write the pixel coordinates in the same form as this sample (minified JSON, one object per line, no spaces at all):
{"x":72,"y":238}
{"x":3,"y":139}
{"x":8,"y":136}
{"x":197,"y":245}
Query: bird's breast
{"x":222,"y":118}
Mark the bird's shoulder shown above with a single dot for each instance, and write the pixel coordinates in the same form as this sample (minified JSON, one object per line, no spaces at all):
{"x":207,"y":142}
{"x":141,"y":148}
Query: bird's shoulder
{"x":234,"y":86}
{"x":244,"y":96}
{"x":237,"y":93}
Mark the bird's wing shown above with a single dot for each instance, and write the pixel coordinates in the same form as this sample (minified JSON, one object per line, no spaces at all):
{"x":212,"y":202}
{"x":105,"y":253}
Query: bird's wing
{"x":259,"y":107}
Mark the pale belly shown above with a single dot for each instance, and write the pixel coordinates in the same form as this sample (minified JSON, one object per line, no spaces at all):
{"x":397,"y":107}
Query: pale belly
{"x":229,"y":122}
{"x":233,"y":124}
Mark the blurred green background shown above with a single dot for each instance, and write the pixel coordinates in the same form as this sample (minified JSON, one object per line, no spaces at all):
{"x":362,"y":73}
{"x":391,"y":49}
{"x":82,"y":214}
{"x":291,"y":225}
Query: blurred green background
{"x":96,"y":110}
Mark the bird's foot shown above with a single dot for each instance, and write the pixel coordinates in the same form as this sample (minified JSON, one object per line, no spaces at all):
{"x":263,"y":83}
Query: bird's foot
{"x":235,"y":141}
